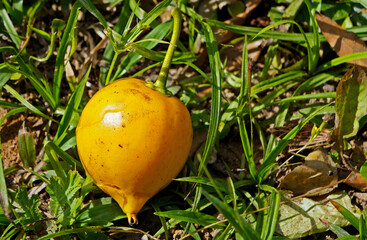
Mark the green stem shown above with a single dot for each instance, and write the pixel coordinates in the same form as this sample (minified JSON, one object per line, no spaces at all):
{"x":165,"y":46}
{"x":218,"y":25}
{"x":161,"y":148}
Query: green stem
{"x":111,"y":68}
{"x":50,"y":50}
{"x":160,"y":84}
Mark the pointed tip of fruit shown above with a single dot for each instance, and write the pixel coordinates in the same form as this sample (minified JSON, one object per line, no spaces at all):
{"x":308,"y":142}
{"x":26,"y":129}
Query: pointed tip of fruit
{"x":133,"y":220}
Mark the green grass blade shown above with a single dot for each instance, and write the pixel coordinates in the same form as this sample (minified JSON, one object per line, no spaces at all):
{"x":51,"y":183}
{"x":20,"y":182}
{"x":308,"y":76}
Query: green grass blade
{"x":270,"y":159}
{"x":5,"y":75}
{"x":55,"y":163}
{"x":215,"y":65}
{"x":315,"y":81}
{"x":241,"y":226}
{"x":315,"y":48}
{"x":340,"y":60}
{"x":69,"y":232}
{"x":136,"y":9}
{"x":245,"y":78}
{"x":231,"y":190}
{"x":191,"y":217}
{"x":340,"y":232}
{"x":349,"y":237}
{"x":220,"y":182}
{"x":16,"y":11}
{"x":306,"y":97}
{"x":119,"y":28}
{"x":87,"y":4}
{"x":271,"y":52}
{"x":260,"y":202}
{"x":244,"y":94}
{"x":42,"y":33}
{"x":9,"y":232}
{"x":278,"y":80}
{"x":309,"y":49}
{"x":362,"y":226}
{"x":12,"y":112}
{"x":5,"y":104}
{"x":178,"y":57}
{"x":4,"y":198}
{"x":196,"y":68}
{"x":146,"y":21}
{"x":60,"y":57}
{"x":252,"y":31}
{"x":71,"y":108}
{"x":26,"y":103}
{"x":347,"y":214}
{"x":132,"y":58}
{"x":272,"y":217}
{"x":101,"y":212}
{"x":9,"y":26}
{"x":247,"y":148}
{"x":63,"y":155}
{"x":279,"y":121}
{"x":26,"y":70}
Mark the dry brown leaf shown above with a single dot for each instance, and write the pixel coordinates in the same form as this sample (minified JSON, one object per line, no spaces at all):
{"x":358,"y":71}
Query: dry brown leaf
{"x":356,"y":180}
{"x":318,"y":171}
{"x":342,"y":41}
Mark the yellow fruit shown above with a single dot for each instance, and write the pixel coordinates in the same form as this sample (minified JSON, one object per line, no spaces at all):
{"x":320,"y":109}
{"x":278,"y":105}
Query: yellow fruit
{"x":133,"y":140}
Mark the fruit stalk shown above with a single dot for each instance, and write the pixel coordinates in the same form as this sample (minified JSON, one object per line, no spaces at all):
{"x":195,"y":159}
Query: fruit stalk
{"x":160,"y":83}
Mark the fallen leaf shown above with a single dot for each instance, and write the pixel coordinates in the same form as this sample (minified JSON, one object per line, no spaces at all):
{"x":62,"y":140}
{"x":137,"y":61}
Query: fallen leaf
{"x":342,"y":41}
{"x":318,"y":171}
{"x":350,"y":104}
{"x":356,"y":180}
{"x":302,"y":217}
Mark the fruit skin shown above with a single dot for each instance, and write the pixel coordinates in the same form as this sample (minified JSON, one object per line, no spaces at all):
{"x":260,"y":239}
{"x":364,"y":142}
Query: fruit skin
{"x":133,"y":140}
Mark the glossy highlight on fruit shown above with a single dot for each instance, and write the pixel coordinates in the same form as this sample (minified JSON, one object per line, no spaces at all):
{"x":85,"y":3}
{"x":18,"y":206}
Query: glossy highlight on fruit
{"x":133,"y":140}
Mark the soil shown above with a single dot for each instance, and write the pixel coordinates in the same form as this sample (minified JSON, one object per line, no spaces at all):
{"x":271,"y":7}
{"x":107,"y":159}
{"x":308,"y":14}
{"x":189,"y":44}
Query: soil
{"x":9,"y":136}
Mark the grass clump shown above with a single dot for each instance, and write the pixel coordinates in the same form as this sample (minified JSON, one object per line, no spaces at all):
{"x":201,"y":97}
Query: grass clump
{"x":55,"y":56}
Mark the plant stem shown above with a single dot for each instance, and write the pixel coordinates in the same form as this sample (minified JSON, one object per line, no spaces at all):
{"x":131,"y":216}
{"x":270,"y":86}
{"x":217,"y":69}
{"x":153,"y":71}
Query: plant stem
{"x":160,"y":84}
{"x":111,"y":69}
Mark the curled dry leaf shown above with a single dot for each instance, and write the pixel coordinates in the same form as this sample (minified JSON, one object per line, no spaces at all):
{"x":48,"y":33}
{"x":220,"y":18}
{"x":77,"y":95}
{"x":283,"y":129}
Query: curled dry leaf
{"x":356,"y":180}
{"x":342,"y":41}
{"x":317,"y":172}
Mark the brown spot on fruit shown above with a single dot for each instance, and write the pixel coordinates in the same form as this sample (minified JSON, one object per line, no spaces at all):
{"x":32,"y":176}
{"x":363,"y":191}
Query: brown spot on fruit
{"x":146,"y":97}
